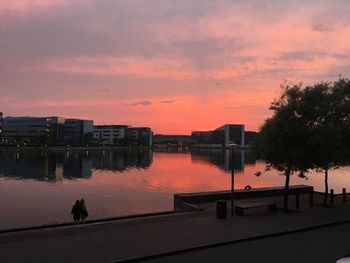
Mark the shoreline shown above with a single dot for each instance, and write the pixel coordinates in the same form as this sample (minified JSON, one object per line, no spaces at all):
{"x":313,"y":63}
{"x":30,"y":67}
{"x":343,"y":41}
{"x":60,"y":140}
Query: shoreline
{"x":87,"y":222}
{"x":99,"y":148}
{"x":67,"y":148}
{"x":186,"y":203}
{"x":161,"y":237}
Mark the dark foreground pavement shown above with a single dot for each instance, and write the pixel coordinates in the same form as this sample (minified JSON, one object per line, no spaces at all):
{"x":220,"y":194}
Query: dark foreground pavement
{"x":139,"y":237}
{"x":325,"y":245}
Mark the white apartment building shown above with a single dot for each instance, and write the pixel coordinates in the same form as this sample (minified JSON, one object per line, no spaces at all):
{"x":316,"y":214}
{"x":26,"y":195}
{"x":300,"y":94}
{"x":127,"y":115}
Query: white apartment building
{"x":109,"y":134}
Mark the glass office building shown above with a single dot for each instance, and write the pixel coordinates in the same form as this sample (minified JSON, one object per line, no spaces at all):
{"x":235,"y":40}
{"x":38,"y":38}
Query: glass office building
{"x":32,"y":130}
{"x":234,"y":134}
{"x":78,"y":132}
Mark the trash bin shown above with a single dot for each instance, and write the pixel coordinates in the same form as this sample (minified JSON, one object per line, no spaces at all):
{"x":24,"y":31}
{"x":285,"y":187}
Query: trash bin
{"x":221,"y":209}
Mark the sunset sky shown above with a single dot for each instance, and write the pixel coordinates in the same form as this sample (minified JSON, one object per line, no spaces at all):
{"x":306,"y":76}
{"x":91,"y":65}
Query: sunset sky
{"x":175,"y":66}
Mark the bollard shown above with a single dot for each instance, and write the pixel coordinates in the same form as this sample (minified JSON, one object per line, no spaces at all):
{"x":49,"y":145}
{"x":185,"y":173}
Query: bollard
{"x":344,"y":195}
{"x":221,"y":209}
{"x":311,"y":199}
{"x":332,"y":196}
{"x":297,"y":201}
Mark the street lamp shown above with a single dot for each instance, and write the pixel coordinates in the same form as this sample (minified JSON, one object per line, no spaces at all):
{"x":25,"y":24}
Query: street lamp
{"x":233,"y":148}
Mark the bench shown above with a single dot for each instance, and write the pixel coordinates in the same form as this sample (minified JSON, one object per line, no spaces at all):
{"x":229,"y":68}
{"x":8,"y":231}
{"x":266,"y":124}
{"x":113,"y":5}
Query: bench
{"x":239,"y":209}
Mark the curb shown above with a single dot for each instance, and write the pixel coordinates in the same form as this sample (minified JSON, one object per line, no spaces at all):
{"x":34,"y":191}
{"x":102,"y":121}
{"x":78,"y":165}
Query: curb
{"x":228,"y":242}
{"x":89,"y":222}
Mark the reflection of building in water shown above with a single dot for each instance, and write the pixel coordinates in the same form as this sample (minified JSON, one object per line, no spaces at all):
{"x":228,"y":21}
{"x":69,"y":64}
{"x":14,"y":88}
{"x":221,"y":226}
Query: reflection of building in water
{"x":44,"y":166}
{"x":249,"y":157}
{"x":28,"y":166}
{"x":59,"y":172}
{"x":121,"y":160}
{"x":145,"y":159}
{"x":52,"y":166}
{"x":239,"y":160}
{"x":222,"y":158}
{"x":77,"y":165}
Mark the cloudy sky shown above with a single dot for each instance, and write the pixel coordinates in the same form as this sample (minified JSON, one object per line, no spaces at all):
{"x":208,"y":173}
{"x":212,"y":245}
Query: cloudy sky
{"x":176,"y":66}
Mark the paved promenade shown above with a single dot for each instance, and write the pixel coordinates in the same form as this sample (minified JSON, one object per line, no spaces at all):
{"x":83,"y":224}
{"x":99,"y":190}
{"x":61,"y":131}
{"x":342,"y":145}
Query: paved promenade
{"x":320,"y":245}
{"x":131,"y":238}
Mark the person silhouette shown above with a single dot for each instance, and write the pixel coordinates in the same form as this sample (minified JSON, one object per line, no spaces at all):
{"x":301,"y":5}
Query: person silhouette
{"x":83,"y":211}
{"x":76,"y":212}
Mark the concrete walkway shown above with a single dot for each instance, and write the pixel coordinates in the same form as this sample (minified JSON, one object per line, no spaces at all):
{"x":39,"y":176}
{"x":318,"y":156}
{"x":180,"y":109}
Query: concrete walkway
{"x":131,"y":238}
{"x":325,"y":245}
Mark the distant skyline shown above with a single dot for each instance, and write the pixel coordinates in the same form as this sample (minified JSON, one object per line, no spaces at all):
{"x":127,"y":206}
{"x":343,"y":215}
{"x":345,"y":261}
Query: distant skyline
{"x":175,"y":66}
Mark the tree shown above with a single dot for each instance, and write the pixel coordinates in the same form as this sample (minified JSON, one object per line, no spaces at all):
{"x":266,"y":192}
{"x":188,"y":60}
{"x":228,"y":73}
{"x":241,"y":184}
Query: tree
{"x":317,"y":108}
{"x":310,"y":129}
{"x":325,"y":107}
{"x":283,"y":138}
{"x":341,"y":92}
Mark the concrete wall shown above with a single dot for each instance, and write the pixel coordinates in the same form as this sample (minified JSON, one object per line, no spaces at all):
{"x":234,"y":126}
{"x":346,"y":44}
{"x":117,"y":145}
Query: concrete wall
{"x":181,"y":200}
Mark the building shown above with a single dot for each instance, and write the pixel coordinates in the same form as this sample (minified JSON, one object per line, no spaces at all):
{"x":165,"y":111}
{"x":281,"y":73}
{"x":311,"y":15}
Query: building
{"x":173,"y":139}
{"x":140,"y":136}
{"x":223,"y":136}
{"x":78,"y":132}
{"x":1,"y":123}
{"x":45,"y":131}
{"x":209,"y":138}
{"x":122,"y":135}
{"x":50,"y":131}
{"x":233,"y":134}
{"x":109,"y":134}
{"x":250,"y":137}
{"x":32,"y":130}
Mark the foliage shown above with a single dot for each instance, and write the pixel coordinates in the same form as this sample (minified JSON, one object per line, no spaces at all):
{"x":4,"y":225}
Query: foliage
{"x":309,"y":129}
{"x":326,"y":109}
{"x":283,"y":138}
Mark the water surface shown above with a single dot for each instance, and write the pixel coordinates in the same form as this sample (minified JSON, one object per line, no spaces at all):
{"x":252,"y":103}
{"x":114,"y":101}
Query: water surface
{"x":40,"y":188}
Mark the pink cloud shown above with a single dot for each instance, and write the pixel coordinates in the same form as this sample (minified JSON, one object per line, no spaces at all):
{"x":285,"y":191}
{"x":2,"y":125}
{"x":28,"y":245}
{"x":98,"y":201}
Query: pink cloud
{"x":34,"y":5}
{"x":183,"y":69}
{"x":180,"y":68}
{"x":102,"y":66}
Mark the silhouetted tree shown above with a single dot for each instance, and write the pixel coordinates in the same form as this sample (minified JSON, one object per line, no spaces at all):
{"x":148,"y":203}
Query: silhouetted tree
{"x":283,"y":138}
{"x":318,"y":110}
{"x":326,"y":108}
{"x":310,"y":128}
{"x":341,"y":92}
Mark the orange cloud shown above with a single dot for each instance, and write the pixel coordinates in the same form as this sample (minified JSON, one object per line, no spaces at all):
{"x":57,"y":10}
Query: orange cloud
{"x":180,"y":69}
{"x":174,"y":68}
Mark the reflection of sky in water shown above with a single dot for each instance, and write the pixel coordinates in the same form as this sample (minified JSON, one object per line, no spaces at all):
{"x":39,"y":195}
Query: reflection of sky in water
{"x":40,"y":188}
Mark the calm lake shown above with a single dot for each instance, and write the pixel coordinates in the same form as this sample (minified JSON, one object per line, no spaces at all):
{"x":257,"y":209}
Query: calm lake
{"x":40,"y":188}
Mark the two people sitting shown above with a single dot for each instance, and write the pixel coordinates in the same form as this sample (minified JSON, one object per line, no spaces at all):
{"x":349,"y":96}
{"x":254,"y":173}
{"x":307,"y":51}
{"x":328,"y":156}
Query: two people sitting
{"x":79,"y":211}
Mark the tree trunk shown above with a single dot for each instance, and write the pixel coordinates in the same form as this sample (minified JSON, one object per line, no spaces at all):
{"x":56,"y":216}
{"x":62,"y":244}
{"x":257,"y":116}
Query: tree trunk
{"x":325,"y":187}
{"x":286,"y":190}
